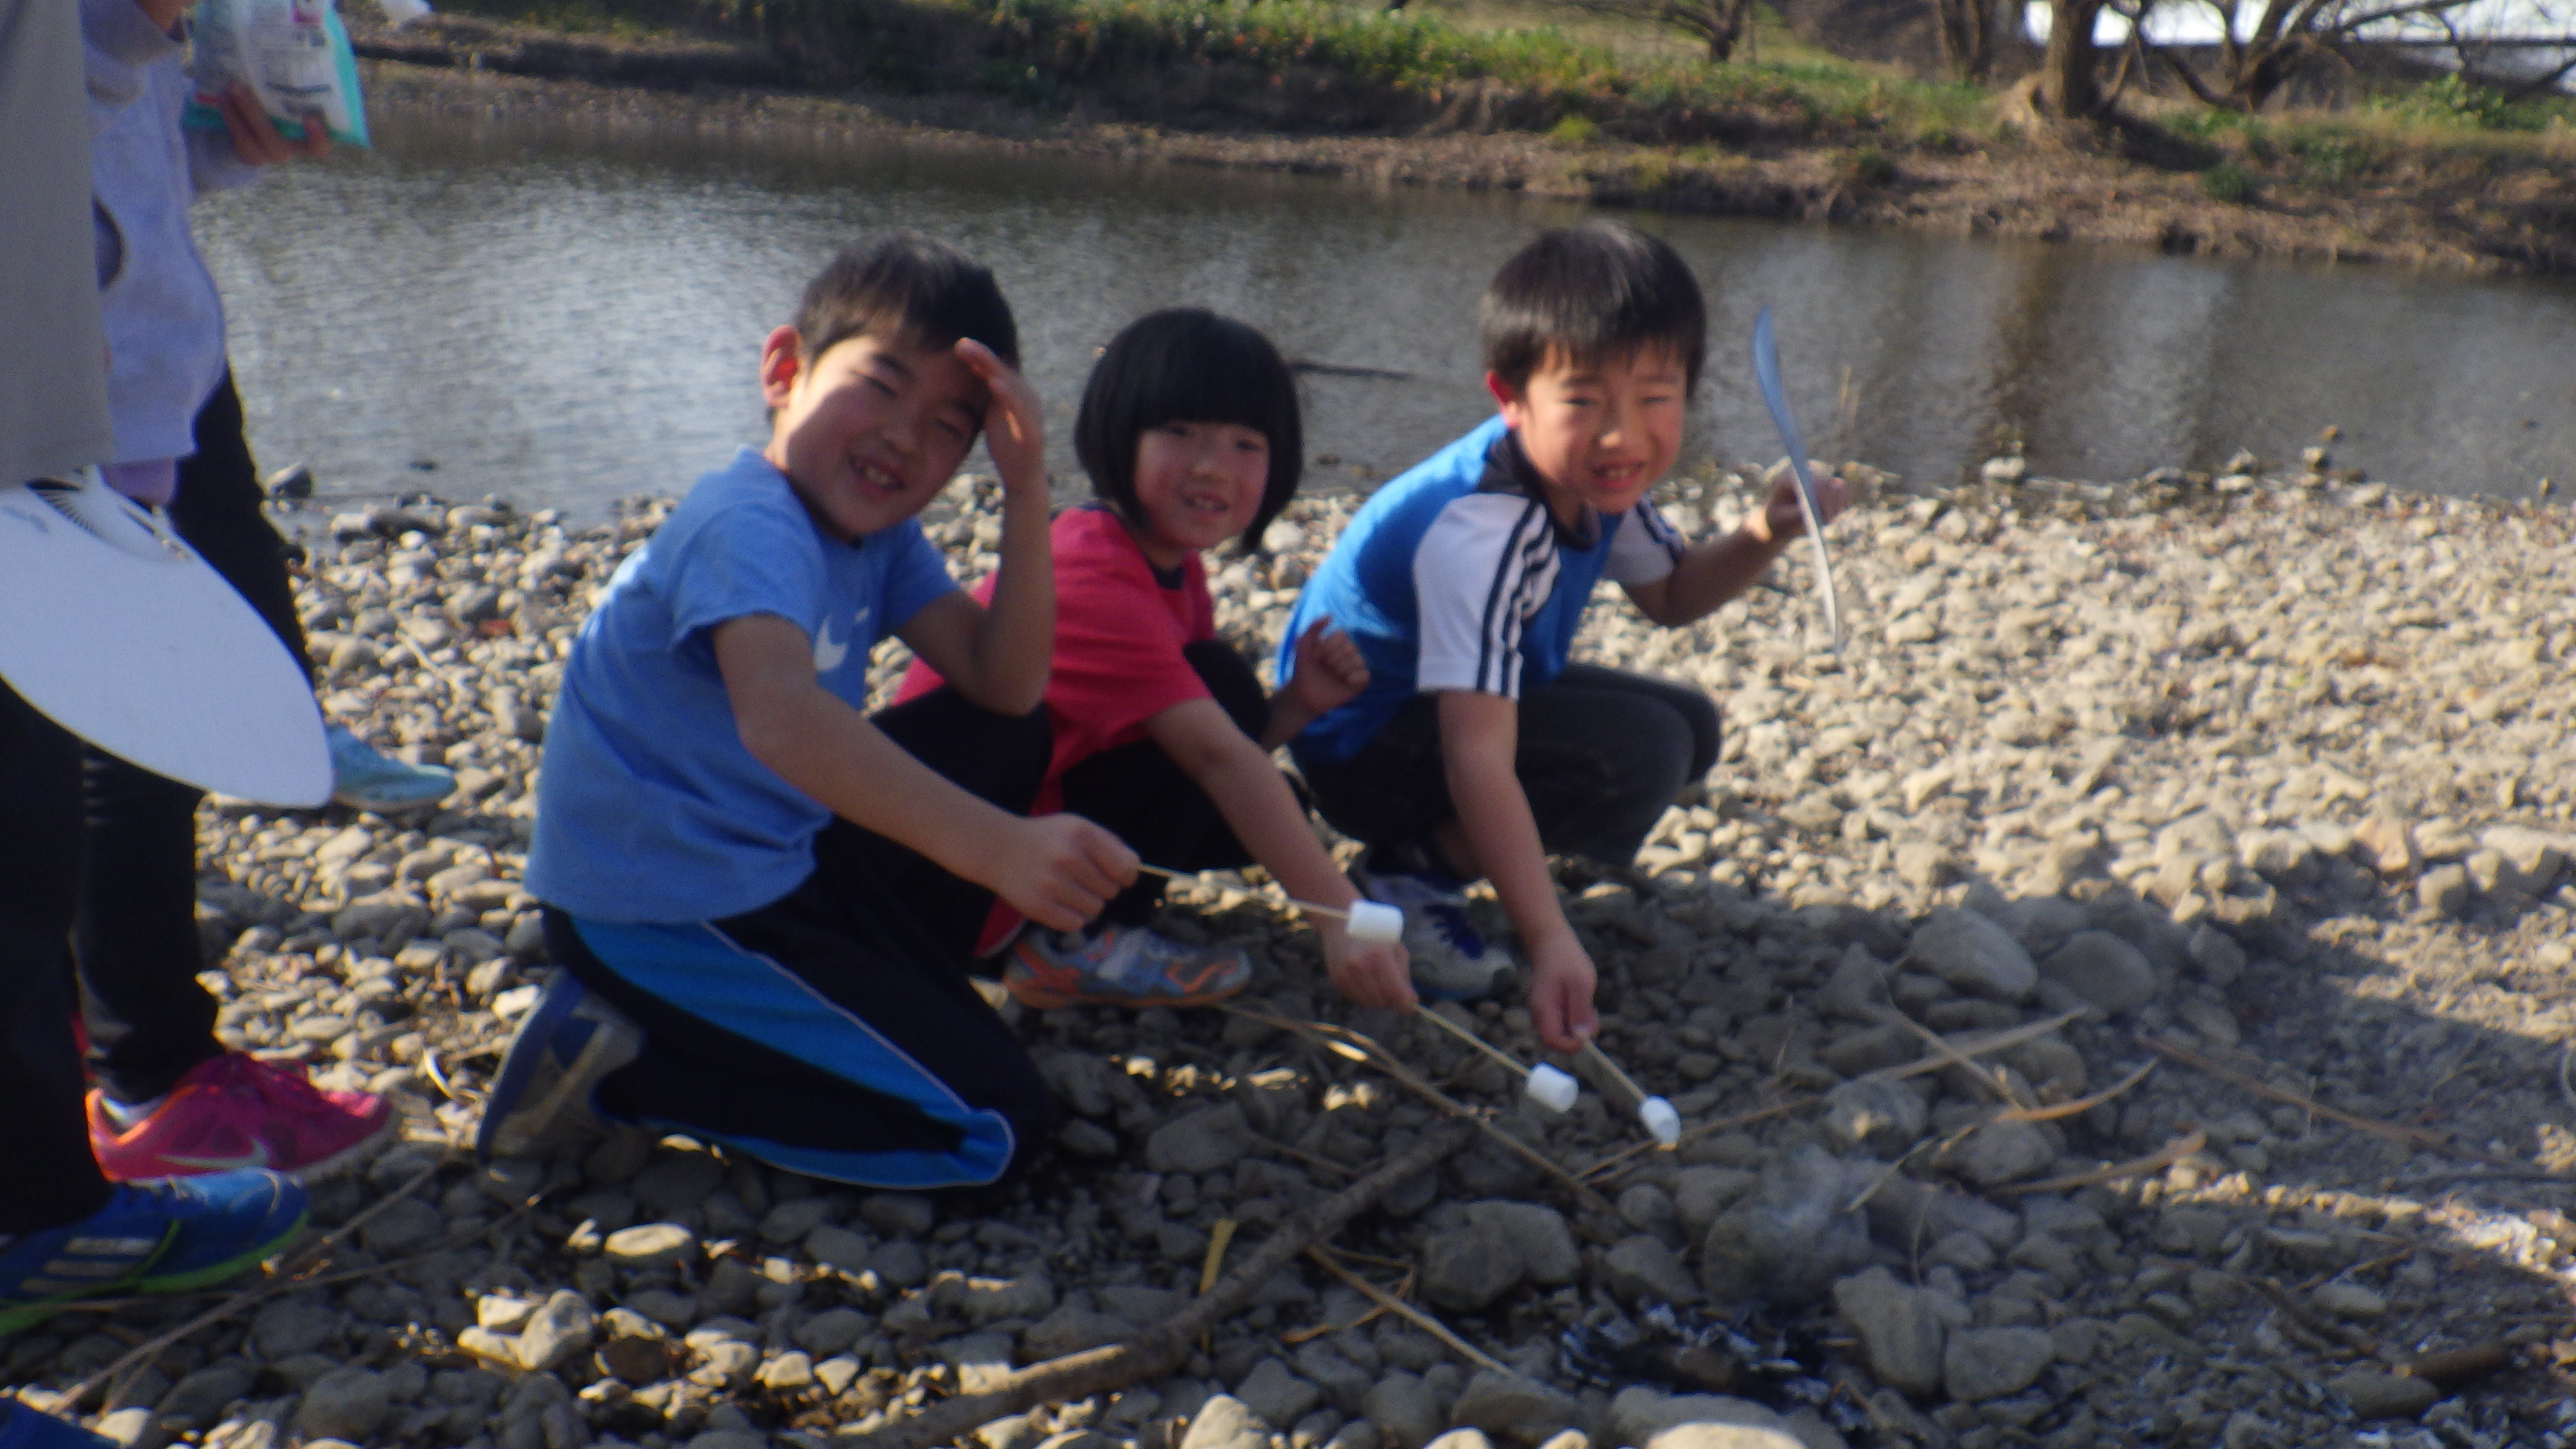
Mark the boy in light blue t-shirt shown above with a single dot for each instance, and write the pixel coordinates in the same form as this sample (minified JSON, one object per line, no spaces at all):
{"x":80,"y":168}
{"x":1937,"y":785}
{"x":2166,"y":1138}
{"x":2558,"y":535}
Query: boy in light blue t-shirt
{"x":763,"y":900}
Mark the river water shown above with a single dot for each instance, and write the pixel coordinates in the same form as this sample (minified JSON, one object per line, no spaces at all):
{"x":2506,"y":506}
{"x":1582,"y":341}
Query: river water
{"x":565,"y":313}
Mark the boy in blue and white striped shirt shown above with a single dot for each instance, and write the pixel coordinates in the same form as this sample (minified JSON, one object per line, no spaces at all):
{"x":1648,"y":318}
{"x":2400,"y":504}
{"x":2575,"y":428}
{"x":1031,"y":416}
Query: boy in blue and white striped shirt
{"x":1478,"y":749}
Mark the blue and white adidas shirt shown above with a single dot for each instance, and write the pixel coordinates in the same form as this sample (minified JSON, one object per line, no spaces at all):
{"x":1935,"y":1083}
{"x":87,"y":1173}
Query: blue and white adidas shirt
{"x":649,"y":807}
{"x":1454,"y":577}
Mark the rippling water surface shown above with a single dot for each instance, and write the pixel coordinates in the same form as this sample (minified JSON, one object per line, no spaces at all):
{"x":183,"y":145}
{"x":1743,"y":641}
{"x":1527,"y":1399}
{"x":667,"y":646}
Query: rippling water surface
{"x":565,"y":314}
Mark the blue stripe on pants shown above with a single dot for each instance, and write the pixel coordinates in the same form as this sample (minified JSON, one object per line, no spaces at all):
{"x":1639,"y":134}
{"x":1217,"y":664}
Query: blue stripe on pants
{"x":697,"y":969}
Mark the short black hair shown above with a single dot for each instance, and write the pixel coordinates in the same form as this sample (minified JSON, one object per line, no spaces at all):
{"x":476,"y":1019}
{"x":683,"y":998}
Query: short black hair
{"x":1188,"y":365}
{"x":908,"y":289}
{"x":1595,"y":291}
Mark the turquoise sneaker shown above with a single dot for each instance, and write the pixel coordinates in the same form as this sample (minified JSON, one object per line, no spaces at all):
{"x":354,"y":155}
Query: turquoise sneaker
{"x":541,"y":1097}
{"x":363,"y":779}
{"x":168,"y":1235}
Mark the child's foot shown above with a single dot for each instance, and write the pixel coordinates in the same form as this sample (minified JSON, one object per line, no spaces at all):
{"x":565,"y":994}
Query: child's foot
{"x":542,"y":1095}
{"x":235,"y":1111}
{"x":1121,"y":966}
{"x":363,"y":779}
{"x":171,"y":1236}
{"x":1451,"y":959}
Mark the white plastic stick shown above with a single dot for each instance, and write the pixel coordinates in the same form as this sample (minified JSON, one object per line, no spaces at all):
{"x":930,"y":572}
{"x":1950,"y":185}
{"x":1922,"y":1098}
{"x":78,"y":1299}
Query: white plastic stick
{"x":1368,"y":920}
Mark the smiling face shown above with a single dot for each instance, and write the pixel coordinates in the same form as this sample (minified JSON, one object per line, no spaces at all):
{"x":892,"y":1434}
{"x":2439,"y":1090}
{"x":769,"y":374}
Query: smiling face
{"x":868,"y":431}
{"x":1197,"y":485}
{"x":1601,"y":434}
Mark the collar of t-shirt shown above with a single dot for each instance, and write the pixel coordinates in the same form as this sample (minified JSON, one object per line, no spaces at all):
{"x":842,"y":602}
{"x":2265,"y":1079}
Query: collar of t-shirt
{"x":1509,"y":470}
{"x":1174,"y":578}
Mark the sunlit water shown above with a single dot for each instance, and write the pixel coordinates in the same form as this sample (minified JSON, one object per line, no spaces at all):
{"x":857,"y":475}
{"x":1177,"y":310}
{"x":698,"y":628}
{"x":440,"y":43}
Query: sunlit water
{"x":565,"y":314}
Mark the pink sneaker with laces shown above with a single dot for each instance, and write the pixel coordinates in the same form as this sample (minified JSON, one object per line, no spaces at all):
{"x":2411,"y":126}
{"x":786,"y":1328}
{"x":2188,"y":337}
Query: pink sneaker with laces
{"x":236,"y":1111}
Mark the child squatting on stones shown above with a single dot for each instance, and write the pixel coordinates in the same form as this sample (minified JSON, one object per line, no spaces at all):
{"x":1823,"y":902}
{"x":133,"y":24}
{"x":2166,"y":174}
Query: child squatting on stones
{"x":1476,"y":748}
{"x":1190,"y":433}
{"x":764,"y":901}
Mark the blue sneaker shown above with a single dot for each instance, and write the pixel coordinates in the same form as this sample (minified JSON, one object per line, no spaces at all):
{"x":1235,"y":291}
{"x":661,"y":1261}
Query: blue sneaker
{"x":1451,"y":960}
{"x":24,"y":1428}
{"x":363,"y":779}
{"x":542,"y":1095}
{"x":166,"y":1235}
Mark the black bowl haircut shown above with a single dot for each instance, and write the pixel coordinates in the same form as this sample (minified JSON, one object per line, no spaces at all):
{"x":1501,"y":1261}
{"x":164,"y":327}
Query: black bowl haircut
{"x":1592,"y":292}
{"x":907,"y":289}
{"x":1188,"y":365}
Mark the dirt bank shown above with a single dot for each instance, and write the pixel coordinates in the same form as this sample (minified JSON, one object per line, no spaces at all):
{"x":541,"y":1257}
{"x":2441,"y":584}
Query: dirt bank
{"x":2498,"y":213}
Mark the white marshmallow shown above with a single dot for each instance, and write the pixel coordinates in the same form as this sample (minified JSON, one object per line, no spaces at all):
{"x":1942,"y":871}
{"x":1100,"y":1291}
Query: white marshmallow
{"x":1375,"y":921}
{"x":1552,"y":1089}
{"x":1660,"y":1119}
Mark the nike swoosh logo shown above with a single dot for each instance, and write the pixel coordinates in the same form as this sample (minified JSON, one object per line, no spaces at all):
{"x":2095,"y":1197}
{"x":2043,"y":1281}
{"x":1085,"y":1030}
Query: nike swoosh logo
{"x":256,"y":1157}
{"x":828,"y":652}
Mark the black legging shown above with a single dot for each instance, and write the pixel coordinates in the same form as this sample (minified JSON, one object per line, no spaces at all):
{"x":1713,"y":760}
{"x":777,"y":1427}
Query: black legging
{"x":52,"y":1178}
{"x":1602,"y":753}
{"x":135,"y":939}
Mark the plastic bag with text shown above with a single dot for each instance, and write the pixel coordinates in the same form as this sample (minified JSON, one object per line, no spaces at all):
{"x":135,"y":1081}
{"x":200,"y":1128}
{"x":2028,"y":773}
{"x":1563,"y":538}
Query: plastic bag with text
{"x":293,"y":54}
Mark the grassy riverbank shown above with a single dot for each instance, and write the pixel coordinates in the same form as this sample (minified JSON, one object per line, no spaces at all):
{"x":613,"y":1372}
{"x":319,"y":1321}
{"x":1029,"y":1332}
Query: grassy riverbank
{"x":2440,"y":175}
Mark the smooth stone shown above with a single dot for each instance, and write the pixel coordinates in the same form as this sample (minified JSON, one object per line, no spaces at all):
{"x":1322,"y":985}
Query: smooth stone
{"x":1990,"y":1363}
{"x":2104,"y":970}
{"x":1973,"y":954}
{"x":1900,"y":1333}
{"x":1208,"y":1140}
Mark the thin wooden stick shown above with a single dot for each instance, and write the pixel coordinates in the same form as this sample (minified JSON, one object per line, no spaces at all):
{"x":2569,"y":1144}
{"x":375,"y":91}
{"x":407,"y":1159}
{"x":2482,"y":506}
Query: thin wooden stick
{"x":2166,"y":1156}
{"x":1342,"y":1041}
{"x":1408,"y":1313}
{"x":2386,"y":1131}
{"x":1309,"y":907}
{"x":1470,"y":1038}
{"x":1159,"y":1349}
{"x":1621,"y":1157}
{"x":1976,"y":1044}
{"x":1992,"y":1080}
{"x":1592,"y":1052}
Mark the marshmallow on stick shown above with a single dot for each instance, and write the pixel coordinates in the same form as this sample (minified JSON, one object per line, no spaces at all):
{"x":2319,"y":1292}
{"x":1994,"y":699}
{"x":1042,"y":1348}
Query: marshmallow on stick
{"x":1543,"y":1084}
{"x":1366,"y":920}
{"x":1659,"y":1117}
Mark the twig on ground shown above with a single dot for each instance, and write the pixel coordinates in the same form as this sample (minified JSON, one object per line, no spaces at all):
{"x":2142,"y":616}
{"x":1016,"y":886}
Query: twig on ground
{"x":2397,"y":1132}
{"x":1635,"y":1150}
{"x":1408,"y":1312}
{"x":1115,"y":1366}
{"x":1992,"y":1079}
{"x":2279,"y":1297}
{"x":1311,"y":1159}
{"x":1974,"y":1044}
{"x":2171,"y":1153}
{"x":2080,"y":1105}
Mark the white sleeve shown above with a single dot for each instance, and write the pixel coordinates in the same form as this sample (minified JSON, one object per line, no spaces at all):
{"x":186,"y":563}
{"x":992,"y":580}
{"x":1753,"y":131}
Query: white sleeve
{"x":1483,"y":567}
{"x":1645,"y":548}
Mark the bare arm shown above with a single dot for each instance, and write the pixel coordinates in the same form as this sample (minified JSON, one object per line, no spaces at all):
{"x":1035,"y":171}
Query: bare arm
{"x":996,"y":654}
{"x":1479,"y":735}
{"x":1237,"y":774}
{"x":1057,"y":870}
{"x":1715,"y":570}
{"x":1329,"y":672}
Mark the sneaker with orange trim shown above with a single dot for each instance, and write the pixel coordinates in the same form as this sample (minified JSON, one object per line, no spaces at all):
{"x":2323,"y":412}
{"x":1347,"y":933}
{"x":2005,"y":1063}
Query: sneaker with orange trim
{"x":1121,"y":966}
{"x":235,"y":1111}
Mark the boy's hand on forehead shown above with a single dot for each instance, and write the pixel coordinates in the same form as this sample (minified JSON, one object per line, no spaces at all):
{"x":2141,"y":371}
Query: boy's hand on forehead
{"x":1014,"y":420}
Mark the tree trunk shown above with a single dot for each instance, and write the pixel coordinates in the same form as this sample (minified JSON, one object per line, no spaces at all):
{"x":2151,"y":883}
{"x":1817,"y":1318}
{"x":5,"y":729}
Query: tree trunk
{"x":2069,"y":80}
{"x":1967,"y":32}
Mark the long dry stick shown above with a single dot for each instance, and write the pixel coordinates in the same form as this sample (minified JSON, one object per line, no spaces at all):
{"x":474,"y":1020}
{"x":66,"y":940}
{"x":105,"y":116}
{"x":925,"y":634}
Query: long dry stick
{"x":1408,"y":1312}
{"x":1154,"y":1352}
{"x":1357,"y":1046}
{"x":1635,"y":1150}
{"x":2386,"y":1131}
{"x":2166,"y":1156}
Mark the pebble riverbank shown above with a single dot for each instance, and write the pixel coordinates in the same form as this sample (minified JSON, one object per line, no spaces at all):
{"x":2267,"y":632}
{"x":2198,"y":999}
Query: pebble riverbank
{"x":2258,"y":785}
